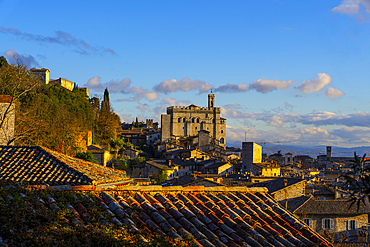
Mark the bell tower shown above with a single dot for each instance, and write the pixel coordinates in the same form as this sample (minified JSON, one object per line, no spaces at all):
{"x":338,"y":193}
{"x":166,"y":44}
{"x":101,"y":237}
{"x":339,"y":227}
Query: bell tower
{"x":211,"y":100}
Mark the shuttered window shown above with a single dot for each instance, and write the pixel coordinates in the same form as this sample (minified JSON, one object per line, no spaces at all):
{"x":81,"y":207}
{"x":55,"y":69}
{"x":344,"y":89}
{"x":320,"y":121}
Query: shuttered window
{"x":352,"y":224}
{"x":308,"y":222}
{"x":327,"y":224}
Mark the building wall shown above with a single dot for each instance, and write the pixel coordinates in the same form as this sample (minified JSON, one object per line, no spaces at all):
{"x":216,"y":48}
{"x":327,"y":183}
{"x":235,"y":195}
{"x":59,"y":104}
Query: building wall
{"x":43,"y":74}
{"x":64,"y":83}
{"x":187,"y":121}
{"x":271,"y":171}
{"x":339,"y":223}
{"x":251,"y":153}
{"x":292,"y":191}
{"x":7,"y":131}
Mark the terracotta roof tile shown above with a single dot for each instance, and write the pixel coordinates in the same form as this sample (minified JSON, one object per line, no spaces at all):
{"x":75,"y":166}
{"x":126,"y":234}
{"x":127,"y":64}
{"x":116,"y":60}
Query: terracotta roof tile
{"x":38,"y":165}
{"x":209,"y":218}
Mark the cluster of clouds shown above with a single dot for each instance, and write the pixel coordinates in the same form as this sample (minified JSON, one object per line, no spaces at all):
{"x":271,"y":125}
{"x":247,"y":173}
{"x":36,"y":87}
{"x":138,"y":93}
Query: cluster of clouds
{"x":352,"y":6}
{"x":286,"y":120}
{"x":355,"y":8}
{"x":123,"y":87}
{"x":62,"y":38}
{"x":13,"y":57}
{"x":302,"y":136}
{"x":319,"y":83}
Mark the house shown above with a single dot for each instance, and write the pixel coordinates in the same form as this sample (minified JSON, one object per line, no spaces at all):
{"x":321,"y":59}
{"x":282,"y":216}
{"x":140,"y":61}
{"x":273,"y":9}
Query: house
{"x":284,"y":188}
{"x":151,"y":169}
{"x":101,"y":155}
{"x":39,"y":165}
{"x":335,"y":217}
{"x":131,"y":152}
{"x":218,"y":167}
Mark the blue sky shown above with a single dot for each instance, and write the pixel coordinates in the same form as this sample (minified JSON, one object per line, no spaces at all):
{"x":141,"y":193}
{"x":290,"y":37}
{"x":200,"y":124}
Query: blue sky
{"x":284,"y":71}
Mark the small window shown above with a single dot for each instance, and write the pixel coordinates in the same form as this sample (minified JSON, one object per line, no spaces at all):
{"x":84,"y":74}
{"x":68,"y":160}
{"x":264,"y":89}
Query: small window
{"x":222,"y":131}
{"x":352,"y":224}
{"x":327,"y":223}
{"x":197,"y":120}
{"x":222,"y":140}
{"x":192,"y":120}
{"x":308,"y":222}
{"x":183,"y":120}
{"x":179,"y":120}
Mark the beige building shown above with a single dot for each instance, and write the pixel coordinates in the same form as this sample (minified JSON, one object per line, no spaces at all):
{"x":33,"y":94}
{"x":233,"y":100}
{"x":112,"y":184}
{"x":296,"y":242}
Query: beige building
{"x":181,"y":121}
{"x":7,"y":114}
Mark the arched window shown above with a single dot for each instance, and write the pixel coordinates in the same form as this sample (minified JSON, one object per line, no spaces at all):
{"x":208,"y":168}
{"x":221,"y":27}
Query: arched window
{"x":192,"y":120}
{"x":222,"y":140}
{"x":222,"y":131}
{"x":183,"y":120}
{"x":197,"y":120}
{"x":179,"y":120}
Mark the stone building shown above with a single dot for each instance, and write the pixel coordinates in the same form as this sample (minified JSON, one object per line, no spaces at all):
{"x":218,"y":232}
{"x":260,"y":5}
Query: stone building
{"x":181,"y":121}
{"x":42,"y":73}
{"x":8,"y":116}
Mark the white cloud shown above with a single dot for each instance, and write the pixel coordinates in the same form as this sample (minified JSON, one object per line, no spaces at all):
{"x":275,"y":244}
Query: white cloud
{"x":185,"y":85}
{"x":114,"y":86}
{"x":122,"y":86}
{"x":316,"y":84}
{"x":143,"y":107}
{"x":333,"y":93}
{"x":264,"y":86}
{"x":140,"y":93}
{"x":29,"y":61}
{"x":232,"y":88}
{"x":351,"y":6}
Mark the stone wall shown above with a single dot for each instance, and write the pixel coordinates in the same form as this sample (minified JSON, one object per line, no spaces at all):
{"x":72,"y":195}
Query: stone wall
{"x":7,"y":131}
{"x":292,"y":191}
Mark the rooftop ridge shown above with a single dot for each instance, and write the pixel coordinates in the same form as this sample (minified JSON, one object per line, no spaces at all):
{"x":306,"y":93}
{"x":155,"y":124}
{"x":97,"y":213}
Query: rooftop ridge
{"x":151,"y":188}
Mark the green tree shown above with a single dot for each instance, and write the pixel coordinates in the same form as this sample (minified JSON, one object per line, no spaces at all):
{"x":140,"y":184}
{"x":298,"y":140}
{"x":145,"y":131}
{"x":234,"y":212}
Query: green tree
{"x":16,"y":81}
{"x":3,"y":62}
{"x":88,"y":156}
{"x":162,"y":176}
{"x":108,"y":124}
{"x":358,"y":181}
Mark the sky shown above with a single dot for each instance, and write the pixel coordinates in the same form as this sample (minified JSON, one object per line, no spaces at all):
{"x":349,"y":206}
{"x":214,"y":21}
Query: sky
{"x":283,"y":71}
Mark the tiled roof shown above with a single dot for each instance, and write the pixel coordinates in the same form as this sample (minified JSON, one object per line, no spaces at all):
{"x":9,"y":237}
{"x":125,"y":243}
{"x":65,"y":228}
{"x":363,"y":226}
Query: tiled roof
{"x":293,"y":204}
{"x":232,"y":216}
{"x":323,"y":207}
{"x":277,"y":184}
{"x":39,"y":165}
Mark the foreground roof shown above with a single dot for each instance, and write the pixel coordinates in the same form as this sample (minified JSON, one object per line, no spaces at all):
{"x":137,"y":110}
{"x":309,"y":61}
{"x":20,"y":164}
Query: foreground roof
{"x":217,"y":216}
{"x":39,"y":165}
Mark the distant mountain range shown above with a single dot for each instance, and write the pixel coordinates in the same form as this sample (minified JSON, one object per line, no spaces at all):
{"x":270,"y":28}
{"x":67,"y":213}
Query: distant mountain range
{"x":313,"y":152}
